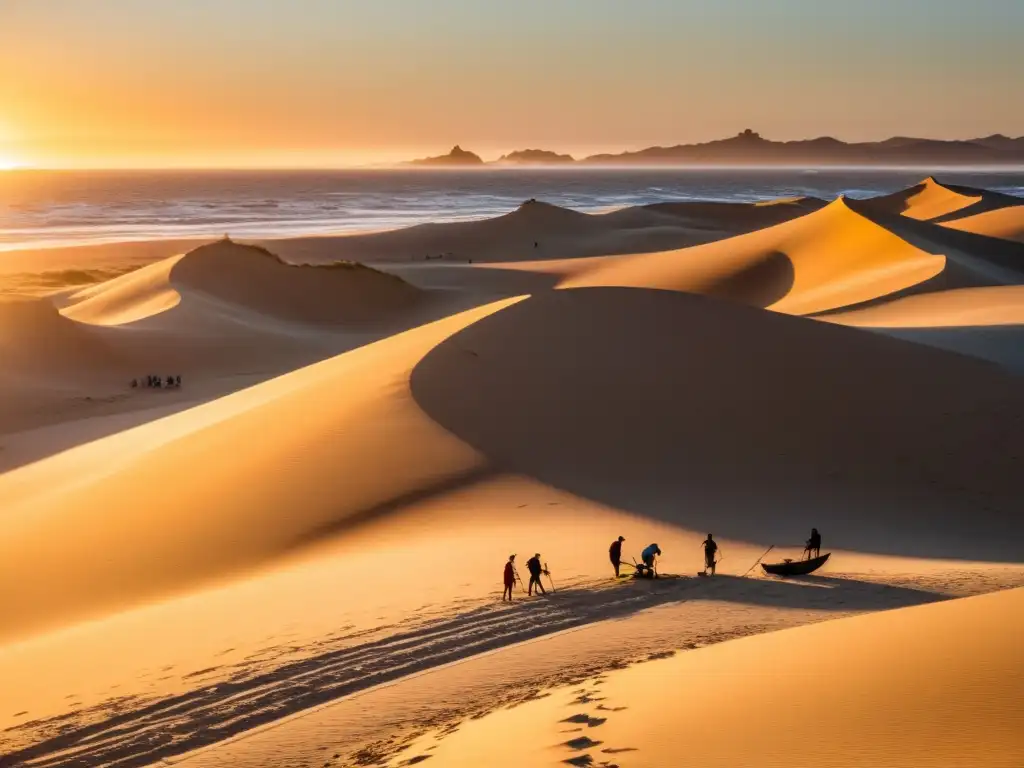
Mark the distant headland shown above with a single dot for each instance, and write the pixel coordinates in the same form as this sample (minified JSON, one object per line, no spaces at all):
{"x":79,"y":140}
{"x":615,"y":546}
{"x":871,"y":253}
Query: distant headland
{"x":750,"y":148}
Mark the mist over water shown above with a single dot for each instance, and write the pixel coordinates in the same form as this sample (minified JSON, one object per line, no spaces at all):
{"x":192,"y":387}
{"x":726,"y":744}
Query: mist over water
{"x":51,"y":208}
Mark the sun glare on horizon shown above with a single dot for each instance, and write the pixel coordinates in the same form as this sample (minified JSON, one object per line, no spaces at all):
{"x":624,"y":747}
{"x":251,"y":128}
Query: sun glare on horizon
{"x":8,"y":163}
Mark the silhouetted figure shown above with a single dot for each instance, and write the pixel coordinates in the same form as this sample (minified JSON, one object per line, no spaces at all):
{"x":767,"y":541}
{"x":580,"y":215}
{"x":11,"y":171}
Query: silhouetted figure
{"x":177,"y":381}
{"x":135,"y":383}
{"x":710,"y":550}
{"x":510,"y":577}
{"x":170,"y":382}
{"x":813,"y":548}
{"x":158,"y":382}
{"x":536,"y":569}
{"x":536,"y":244}
{"x":648,"y":555}
{"x":615,"y":554}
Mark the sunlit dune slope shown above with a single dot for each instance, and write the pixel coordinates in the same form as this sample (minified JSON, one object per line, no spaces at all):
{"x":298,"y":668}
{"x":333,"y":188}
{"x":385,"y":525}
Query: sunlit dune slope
{"x":987,"y":322}
{"x":540,"y":230}
{"x":125,"y":299}
{"x":930,"y":685}
{"x":990,"y":305}
{"x":250,"y":278}
{"x":225,"y":486}
{"x":971,"y":259}
{"x":928,"y":200}
{"x":752,"y":425}
{"x":932,"y":200}
{"x":1006,"y":223}
{"x":830,"y":258}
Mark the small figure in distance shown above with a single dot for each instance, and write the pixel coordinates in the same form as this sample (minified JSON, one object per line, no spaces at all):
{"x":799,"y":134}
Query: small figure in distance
{"x":177,"y":380}
{"x":536,"y":569}
{"x":170,"y":382}
{"x":510,"y":577}
{"x":710,"y":550}
{"x":615,"y":554}
{"x":135,"y":383}
{"x":158,"y":382}
{"x":648,"y":555}
{"x":813,"y":547}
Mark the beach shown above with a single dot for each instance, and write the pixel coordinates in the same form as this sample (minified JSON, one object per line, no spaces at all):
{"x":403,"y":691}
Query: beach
{"x":290,"y":552}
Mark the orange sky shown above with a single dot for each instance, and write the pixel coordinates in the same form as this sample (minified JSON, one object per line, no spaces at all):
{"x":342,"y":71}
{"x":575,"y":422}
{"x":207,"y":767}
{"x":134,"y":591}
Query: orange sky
{"x":102,"y":83}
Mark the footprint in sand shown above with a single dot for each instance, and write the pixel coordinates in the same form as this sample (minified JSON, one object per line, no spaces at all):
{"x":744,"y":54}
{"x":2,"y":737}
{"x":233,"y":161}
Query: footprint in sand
{"x":581,"y":743}
{"x":585,"y":719}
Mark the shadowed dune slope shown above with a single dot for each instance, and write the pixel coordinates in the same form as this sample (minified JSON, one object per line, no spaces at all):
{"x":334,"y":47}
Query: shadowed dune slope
{"x":935,"y":201}
{"x":753,"y":425}
{"x":252,"y":279}
{"x":223,"y":487}
{"x":35,"y":338}
{"x":540,"y":230}
{"x":1005,"y":223}
{"x":830,"y":258}
{"x":933,"y":685}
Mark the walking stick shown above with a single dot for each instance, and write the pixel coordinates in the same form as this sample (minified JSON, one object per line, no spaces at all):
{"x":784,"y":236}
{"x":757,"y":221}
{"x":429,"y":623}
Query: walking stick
{"x":549,"y":578}
{"x":519,"y":579}
{"x":760,"y":559}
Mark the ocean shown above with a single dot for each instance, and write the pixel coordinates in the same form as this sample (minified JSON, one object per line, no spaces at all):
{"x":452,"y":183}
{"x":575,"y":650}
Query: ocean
{"x":58,"y":208}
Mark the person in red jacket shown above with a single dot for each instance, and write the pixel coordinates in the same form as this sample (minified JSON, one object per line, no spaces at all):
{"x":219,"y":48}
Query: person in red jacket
{"x":510,"y":577}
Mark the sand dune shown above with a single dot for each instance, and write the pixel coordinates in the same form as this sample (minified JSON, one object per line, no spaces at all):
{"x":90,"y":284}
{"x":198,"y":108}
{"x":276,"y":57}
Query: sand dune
{"x":935,"y":201}
{"x":354,"y":444}
{"x":1006,"y":223}
{"x":540,"y":230}
{"x":35,"y":338}
{"x":830,"y":258}
{"x":251,"y":278}
{"x":982,"y":322}
{"x":715,"y":416}
{"x":993,"y":305}
{"x":930,"y":685}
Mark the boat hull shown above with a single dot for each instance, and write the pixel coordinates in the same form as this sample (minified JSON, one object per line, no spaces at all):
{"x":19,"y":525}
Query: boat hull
{"x":796,"y":567}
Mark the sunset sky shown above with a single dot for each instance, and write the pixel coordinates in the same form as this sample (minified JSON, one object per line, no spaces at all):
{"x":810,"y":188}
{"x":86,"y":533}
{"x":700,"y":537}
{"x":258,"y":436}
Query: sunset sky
{"x":148,"y":83}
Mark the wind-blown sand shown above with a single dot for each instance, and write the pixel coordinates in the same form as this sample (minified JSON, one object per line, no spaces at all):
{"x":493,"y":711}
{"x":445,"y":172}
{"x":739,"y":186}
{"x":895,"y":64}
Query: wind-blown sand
{"x":295,"y":558}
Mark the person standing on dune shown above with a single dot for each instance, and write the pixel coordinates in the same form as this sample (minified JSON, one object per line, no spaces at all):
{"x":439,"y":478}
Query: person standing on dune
{"x":710,"y":550}
{"x":615,"y":554}
{"x":510,"y":577}
{"x":536,"y":569}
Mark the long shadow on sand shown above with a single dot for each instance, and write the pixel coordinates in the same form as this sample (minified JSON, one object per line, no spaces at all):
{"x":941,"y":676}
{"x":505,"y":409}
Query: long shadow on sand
{"x":136,"y":733}
{"x":754,"y":425}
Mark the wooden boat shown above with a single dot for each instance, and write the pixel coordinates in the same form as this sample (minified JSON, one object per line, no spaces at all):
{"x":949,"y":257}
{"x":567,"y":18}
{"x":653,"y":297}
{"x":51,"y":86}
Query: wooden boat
{"x":796,"y":567}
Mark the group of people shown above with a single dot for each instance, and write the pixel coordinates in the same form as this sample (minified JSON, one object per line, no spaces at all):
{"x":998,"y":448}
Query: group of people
{"x":511,"y":576}
{"x":647,"y":567}
{"x":157,"y":382}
